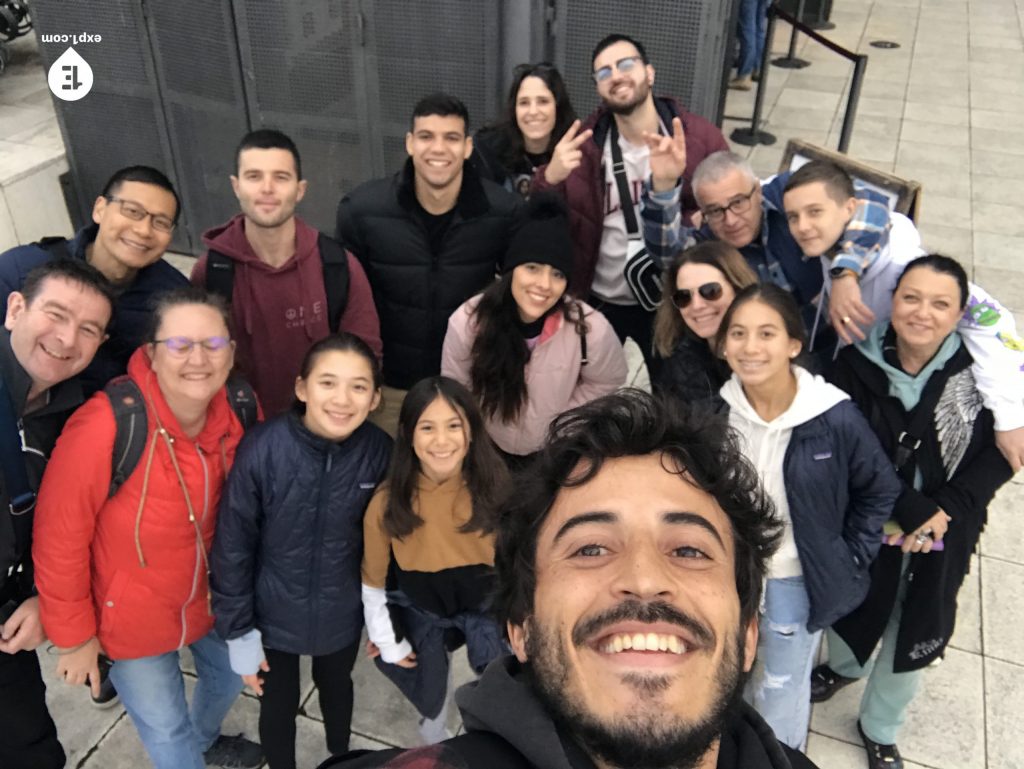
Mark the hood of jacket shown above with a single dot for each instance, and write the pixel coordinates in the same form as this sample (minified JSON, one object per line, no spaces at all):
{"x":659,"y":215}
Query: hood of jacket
{"x":814,"y":396}
{"x":906,"y":387}
{"x":260,"y":279}
{"x":502,"y":702}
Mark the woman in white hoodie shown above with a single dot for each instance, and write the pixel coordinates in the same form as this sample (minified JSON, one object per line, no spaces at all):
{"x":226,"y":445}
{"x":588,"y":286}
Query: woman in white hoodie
{"x":830,"y":480}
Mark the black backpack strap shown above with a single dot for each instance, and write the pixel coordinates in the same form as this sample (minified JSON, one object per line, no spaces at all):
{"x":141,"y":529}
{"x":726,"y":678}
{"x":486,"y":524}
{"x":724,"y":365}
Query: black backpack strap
{"x":220,"y":274}
{"x":336,"y":278}
{"x":131,"y":429}
{"x":242,"y":399}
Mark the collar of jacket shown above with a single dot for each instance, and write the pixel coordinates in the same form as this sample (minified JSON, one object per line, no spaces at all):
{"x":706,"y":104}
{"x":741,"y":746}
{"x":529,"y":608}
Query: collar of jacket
{"x":83,"y":239}
{"x":471,"y":203}
{"x":601,"y":119}
{"x":62,"y":396}
{"x":316,"y":443}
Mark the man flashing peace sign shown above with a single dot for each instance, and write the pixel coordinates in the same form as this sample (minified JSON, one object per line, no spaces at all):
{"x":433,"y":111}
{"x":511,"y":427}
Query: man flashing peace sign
{"x":651,"y":135}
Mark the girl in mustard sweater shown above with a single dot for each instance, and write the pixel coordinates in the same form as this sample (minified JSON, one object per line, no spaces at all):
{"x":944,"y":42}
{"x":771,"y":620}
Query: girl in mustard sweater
{"x":428,"y":553}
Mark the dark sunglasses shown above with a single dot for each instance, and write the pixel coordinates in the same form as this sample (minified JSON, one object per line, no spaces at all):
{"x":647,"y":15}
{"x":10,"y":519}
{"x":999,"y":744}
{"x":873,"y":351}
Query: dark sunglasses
{"x":709,"y":292}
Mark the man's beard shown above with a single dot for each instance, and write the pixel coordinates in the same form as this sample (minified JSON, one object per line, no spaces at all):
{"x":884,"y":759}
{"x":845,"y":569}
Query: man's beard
{"x":642,"y":740}
{"x":640,"y":94}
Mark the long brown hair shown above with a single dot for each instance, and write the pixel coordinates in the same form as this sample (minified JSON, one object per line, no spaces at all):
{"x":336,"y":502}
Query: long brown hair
{"x":483,"y":469}
{"x":669,"y":327}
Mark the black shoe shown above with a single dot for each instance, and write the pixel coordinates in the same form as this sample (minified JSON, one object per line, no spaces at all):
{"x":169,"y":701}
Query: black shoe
{"x":825,"y":682}
{"x":234,"y":753}
{"x":880,"y":756}
{"x":108,"y":696}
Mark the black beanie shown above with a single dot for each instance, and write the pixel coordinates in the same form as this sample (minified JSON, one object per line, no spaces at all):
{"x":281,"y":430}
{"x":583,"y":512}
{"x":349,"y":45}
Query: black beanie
{"x":543,"y":235}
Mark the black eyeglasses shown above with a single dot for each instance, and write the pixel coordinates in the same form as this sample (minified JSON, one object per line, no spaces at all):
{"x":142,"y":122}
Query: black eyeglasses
{"x":622,"y":65}
{"x":709,"y":292}
{"x":738,"y":205}
{"x":137,"y":213}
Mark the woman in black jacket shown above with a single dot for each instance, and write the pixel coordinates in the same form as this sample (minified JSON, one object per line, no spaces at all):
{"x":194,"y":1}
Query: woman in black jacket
{"x":912,"y":379}
{"x":699,"y":284}
{"x":537,"y":114}
{"x":289,"y":543}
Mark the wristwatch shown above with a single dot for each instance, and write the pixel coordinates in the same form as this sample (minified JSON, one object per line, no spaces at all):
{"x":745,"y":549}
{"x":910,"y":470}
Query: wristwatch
{"x":840,"y":272}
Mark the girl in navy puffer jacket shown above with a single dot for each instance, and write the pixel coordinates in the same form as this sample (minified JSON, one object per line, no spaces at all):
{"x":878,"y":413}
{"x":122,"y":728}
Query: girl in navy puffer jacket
{"x":286,"y":557}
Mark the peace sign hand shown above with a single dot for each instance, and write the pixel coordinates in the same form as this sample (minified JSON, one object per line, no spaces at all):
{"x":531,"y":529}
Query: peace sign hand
{"x":668,"y":156}
{"x":567,"y":155}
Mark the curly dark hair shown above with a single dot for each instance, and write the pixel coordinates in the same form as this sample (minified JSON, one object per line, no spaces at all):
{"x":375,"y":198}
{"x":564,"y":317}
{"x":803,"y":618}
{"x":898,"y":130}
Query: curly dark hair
{"x":625,"y":424}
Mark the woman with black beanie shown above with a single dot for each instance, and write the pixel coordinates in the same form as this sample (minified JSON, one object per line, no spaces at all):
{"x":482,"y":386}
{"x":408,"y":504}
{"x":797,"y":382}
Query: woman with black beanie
{"x":524,"y":347}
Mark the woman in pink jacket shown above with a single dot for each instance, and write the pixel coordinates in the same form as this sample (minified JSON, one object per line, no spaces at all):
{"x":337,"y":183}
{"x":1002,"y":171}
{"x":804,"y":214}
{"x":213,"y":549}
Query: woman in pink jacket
{"x":526,"y":349}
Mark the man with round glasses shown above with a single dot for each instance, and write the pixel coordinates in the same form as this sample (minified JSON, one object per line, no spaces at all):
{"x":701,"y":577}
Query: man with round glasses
{"x":629,"y":122}
{"x":133,"y":220}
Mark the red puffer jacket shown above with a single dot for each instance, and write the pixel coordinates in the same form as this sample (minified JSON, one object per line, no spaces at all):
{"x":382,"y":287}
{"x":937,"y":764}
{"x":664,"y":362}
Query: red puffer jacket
{"x":131,"y":569}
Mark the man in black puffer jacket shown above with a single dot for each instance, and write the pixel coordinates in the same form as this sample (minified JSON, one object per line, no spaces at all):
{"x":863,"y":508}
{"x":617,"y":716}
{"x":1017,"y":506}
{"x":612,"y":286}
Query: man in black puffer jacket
{"x":429,"y":238}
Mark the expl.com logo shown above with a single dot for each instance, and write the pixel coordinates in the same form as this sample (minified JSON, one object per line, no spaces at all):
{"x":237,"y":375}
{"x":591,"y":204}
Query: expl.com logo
{"x":70,"y":77}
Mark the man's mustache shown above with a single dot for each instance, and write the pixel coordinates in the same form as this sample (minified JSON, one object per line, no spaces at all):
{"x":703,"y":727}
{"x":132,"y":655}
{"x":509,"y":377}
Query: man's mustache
{"x":647,"y":612}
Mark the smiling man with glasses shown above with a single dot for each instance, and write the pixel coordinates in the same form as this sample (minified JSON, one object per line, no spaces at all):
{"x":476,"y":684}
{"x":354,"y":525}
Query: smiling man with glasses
{"x":133,"y":220}
{"x":736,"y":208}
{"x":621,"y":134}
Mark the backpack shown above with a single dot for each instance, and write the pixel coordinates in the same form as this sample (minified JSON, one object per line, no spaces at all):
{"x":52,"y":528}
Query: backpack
{"x":130,"y":418}
{"x":220,"y":277}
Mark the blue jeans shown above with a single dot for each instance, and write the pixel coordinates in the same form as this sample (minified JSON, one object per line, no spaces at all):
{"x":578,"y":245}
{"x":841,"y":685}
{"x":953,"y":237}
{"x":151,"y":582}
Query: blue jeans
{"x":780,"y":687}
{"x":153,"y":692}
{"x":753,"y":23}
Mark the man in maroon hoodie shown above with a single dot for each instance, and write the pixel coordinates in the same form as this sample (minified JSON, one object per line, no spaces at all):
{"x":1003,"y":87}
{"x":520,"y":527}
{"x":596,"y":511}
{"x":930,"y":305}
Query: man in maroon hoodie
{"x":645,"y":128}
{"x":275,"y":267}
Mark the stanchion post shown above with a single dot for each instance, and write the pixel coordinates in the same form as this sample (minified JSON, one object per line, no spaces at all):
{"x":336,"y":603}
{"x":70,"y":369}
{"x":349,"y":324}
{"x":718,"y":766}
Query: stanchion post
{"x":790,"y":60}
{"x":859,"y":67}
{"x":754,"y":135}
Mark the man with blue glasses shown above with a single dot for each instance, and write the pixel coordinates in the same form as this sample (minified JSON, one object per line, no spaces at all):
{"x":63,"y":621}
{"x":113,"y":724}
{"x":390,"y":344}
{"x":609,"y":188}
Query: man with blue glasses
{"x":133,"y":220}
{"x":631,"y":129}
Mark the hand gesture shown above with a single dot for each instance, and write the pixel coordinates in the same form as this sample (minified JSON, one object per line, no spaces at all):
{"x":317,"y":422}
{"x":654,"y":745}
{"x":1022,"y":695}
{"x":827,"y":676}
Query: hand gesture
{"x":567,"y":155}
{"x":254,"y":681}
{"x":668,"y":156}
{"x":81,"y":665}
{"x":22,"y":631}
{"x":846,"y":311}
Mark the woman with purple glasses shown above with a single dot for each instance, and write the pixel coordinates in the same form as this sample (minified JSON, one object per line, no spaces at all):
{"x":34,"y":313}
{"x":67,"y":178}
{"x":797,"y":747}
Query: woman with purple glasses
{"x":125,"y":572}
{"x":699,"y":286}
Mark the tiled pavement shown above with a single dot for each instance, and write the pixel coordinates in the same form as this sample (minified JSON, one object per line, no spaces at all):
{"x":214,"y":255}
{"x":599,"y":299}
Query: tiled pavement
{"x":945,"y":108}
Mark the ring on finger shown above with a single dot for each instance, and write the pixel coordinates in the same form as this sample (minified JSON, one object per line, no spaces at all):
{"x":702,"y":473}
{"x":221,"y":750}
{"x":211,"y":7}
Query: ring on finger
{"x":846,"y":319}
{"x":921,"y":538}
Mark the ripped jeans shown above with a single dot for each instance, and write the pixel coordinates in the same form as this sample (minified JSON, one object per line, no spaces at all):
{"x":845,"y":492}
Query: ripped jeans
{"x":780,"y":685}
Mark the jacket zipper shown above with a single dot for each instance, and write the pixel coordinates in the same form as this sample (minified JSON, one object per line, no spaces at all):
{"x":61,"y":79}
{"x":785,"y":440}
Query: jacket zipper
{"x":314,"y":581}
{"x":199,"y":555}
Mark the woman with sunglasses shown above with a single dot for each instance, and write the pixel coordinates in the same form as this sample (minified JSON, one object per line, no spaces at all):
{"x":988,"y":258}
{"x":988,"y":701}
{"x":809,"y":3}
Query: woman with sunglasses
{"x":537,"y":114}
{"x":127,"y":575}
{"x":524,"y":348}
{"x":832,"y":485}
{"x":700,"y":284}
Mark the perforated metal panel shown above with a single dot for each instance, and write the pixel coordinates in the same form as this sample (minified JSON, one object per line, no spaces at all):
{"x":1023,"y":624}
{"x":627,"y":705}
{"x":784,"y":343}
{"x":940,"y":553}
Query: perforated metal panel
{"x":204,"y":104}
{"x":304,"y":76}
{"x":418,"y":48}
{"x":686,"y":41}
{"x":121,"y":121}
